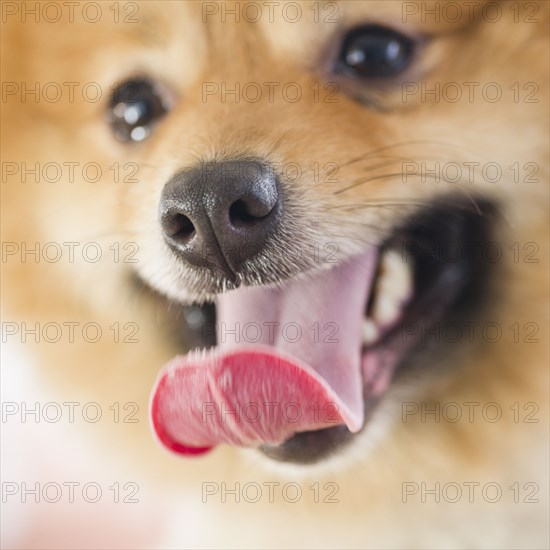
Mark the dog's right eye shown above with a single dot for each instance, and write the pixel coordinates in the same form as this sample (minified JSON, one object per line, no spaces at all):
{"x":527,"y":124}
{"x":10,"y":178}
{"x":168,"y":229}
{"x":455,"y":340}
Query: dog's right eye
{"x":134,"y":108}
{"x":373,"y":51}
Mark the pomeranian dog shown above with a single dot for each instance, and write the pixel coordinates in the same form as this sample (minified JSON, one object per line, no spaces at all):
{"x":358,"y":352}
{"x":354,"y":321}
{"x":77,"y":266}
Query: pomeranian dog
{"x":275,"y":274}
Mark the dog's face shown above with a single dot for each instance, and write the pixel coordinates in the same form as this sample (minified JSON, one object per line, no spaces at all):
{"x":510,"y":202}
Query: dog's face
{"x":328,"y":174}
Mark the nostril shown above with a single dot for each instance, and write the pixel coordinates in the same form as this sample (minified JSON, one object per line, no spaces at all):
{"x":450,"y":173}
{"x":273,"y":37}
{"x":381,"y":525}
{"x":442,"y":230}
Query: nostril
{"x":181,"y":228}
{"x":239,"y":214}
{"x":243,"y":213}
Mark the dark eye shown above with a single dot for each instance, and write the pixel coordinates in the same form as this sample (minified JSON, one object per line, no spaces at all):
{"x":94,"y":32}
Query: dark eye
{"x":374,"y":52}
{"x":135,"y":106}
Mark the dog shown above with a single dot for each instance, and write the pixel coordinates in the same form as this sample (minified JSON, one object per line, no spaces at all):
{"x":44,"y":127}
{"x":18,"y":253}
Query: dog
{"x":328,"y":221}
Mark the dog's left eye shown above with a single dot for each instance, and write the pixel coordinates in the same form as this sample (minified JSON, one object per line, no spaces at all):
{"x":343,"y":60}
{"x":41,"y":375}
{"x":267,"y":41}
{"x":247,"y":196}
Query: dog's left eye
{"x":373,"y":51}
{"x":135,"y":106}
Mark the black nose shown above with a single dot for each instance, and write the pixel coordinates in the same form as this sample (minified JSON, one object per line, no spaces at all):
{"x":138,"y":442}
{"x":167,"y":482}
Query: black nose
{"x":221,"y":214}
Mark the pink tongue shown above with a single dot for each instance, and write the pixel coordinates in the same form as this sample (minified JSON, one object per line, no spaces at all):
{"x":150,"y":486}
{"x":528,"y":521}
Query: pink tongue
{"x":288,"y":360}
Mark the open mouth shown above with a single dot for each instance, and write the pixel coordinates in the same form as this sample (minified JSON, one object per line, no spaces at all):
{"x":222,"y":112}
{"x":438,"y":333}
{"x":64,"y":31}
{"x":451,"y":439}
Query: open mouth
{"x":297,"y":370}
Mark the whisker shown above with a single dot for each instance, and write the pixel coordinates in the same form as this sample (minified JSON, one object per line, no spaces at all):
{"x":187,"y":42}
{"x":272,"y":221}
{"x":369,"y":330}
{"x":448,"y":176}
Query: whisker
{"x":278,"y":141}
{"x":406,"y":143}
{"x":368,"y":180}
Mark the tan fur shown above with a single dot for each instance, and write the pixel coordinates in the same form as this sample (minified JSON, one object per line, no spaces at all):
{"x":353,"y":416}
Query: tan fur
{"x":172,"y":44}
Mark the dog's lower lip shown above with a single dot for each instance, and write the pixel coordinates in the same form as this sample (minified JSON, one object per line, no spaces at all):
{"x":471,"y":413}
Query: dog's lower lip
{"x":307,"y":447}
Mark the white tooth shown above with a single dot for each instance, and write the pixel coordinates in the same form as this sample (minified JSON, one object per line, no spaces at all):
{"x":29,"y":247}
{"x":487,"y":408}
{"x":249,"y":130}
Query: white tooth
{"x":395,"y":276}
{"x":394,"y":287}
{"x":370,"y":331}
{"x":385,"y":309}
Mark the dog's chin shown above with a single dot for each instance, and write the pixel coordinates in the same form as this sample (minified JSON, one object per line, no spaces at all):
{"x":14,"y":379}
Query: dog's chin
{"x":442,"y":288}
